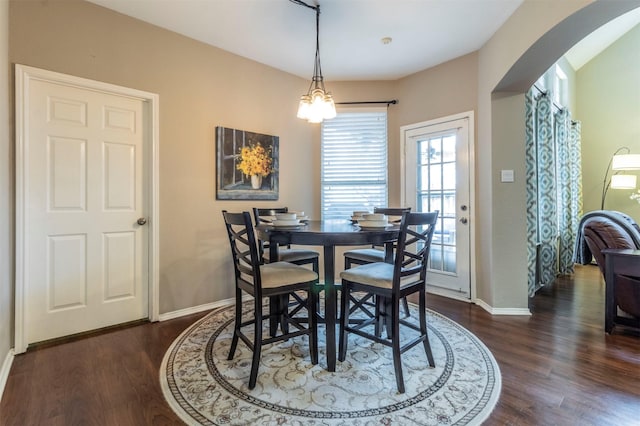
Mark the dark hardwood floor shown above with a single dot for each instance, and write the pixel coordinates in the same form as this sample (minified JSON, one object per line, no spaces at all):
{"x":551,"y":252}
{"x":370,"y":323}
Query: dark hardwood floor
{"x":558,"y":367}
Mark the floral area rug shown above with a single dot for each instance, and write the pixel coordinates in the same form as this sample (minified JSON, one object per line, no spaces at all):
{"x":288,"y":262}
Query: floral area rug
{"x":204,"y":388}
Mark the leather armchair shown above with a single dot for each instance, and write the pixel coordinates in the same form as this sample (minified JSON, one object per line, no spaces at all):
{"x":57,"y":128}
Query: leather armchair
{"x":601,"y":230}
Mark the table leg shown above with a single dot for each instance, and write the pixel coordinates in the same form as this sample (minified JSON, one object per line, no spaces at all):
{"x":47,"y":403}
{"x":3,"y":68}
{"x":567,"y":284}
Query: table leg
{"x":609,"y":299}
{"x":330,"y":302}
{"x":388,"y":252}
{"x":274,"y":304}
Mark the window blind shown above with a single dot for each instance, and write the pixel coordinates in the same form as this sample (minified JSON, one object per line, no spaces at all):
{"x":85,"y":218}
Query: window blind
{"x":354,"y":163}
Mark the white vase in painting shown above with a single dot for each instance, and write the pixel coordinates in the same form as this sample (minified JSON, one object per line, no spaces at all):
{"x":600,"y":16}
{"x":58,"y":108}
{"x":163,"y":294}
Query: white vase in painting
{"x":256,"y":181}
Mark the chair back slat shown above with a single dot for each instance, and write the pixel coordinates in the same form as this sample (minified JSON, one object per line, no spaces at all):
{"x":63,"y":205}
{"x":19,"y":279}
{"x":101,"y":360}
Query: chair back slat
{"x":394,"y":212}
{"x":413,"y":246}
{"x":391,"y":211}
{"x":272,"y":211}
{"x":258,"y":214}
{"x":244,"y":250}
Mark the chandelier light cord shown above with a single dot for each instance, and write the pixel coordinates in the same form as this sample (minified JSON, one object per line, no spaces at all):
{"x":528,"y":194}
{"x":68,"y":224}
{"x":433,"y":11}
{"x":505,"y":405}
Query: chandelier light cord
{"x":317,"y":104}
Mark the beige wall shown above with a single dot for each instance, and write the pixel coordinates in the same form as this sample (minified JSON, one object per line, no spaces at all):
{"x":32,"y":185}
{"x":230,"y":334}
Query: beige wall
{"x":6,"y":193}
{"x":501,"y":237}
{"x":444,"y":90}
{"x":535,"y":36}
{"x":609,"y":108}
{"x":201,"y":87}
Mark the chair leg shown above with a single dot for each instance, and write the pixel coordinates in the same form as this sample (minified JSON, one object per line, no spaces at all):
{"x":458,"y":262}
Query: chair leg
{"x":405,"y":304}
{"x":387,"y":316}
{"x":283,"y":313}
{"x":379,"y":322}
{"x":236,"y":326}
{"x":395,"y":343}
{"x":312,"y":303}
{"x":274,"y":321}
{"x":257,"y":344}
{"x":344,"y":322}
{"x":423,"y":327}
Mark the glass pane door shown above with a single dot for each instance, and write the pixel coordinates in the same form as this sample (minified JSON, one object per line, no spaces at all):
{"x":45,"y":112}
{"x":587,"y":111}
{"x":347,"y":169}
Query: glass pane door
{"x":437,"y":177}
{"x":437,"y":191}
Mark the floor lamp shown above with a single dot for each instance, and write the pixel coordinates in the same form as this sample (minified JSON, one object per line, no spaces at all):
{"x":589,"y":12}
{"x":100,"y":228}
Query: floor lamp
{"x":621,"y":160}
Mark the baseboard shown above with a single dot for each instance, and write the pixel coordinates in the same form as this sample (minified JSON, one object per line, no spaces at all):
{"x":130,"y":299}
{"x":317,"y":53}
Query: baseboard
{"x":449,"y":294}
{"x":502,"y":311}
{"x":194,"y":310}
{"x":4,"y":372}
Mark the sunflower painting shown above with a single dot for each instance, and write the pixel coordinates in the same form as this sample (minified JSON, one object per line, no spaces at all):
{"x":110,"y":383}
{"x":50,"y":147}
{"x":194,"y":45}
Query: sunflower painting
{"x":247,"y":165}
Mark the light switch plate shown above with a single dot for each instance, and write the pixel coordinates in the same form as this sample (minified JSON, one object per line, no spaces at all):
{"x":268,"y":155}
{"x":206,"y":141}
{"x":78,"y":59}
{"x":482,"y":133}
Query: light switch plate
{"x":506,"y":176}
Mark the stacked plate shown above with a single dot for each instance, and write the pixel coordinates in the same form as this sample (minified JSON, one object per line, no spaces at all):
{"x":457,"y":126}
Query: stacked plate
{"x":375,"y":220}
{"x":286,"y":220}
{"x":358,"y":215}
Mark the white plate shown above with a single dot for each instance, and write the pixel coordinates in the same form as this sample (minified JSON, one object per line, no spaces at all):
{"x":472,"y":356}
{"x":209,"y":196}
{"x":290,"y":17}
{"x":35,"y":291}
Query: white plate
{"x":375,"y":228}
{"x":280,"y":223}
{"x":284,"y":227}
{"x":303,"y":217}
{"x":373,"y":223}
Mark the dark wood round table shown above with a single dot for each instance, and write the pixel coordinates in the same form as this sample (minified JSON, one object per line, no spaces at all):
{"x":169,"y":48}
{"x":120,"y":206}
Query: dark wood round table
{"x":328,"y":234}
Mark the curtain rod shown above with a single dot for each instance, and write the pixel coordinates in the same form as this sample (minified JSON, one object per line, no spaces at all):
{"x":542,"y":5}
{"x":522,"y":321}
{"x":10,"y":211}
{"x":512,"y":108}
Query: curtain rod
{"x":546,"y":93}
{"x":391,"y":102}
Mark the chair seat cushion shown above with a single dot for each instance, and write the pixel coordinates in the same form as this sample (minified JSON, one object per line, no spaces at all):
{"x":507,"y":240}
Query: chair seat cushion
{"x":379,"y":274}
{"x":293,"y":255}
{"x":366,"y":255}
{"x":280,"y":274}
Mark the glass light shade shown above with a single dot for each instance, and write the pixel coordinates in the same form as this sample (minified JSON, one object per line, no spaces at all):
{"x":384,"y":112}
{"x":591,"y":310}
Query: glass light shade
{"x":304,"y":107}
{"x":623,"y":181}
{"x":626,"y":162}
{"x":329,"y":107}
{"x":316,"y":107}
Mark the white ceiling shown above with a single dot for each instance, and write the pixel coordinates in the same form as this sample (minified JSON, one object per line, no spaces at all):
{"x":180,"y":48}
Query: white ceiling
{"x":281,"y":34}
{"x":597,"y":41}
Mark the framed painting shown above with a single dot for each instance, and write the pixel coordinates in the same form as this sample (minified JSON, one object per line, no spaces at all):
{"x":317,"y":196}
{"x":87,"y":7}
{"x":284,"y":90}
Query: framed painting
{"x":247,"y":165}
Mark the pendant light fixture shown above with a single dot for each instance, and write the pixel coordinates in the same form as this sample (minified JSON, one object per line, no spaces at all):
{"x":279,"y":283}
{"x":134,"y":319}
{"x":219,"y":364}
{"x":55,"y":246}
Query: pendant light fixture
{"x":317,"y":105}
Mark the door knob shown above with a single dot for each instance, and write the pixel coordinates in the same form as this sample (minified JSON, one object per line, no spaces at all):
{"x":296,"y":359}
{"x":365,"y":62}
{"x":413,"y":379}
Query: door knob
{"x":463,"y":207}
{"x":142,"y":221}
{"x":463,"y":220}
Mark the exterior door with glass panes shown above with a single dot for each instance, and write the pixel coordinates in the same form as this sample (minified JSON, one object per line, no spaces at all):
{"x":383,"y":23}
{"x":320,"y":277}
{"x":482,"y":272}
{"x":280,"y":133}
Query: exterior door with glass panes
{"x":436,"y":177}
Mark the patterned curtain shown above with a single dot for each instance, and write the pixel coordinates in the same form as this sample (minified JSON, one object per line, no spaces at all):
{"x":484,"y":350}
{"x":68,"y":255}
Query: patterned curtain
{"x":532,"y":193}
{"x":554,"y":190}
{"x":569,"y":187}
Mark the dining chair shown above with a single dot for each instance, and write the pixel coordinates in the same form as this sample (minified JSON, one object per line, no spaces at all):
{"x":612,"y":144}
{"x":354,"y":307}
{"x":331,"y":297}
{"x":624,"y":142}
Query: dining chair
{"x":285,"y":253}
{"x":362,"y":256}
{"x":276,"y":281}
{"x":389,"y":283}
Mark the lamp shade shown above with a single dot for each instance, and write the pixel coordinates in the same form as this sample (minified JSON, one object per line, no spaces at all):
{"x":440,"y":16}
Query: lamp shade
{"x":626,"y":162}
{"x":623,"y":181}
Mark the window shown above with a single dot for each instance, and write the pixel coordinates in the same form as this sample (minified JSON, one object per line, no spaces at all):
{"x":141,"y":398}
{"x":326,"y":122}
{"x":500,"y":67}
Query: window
{"x":354,"y":163}
{"x":560,"y":87}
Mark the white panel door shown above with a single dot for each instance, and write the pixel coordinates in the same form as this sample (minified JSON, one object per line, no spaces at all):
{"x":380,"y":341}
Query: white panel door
{"x":437,"y":177}
{"x":87,"y":256}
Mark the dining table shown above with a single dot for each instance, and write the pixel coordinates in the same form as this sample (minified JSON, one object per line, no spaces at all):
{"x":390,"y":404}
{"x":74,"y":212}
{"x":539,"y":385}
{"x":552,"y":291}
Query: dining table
{"x":329,"y":234}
